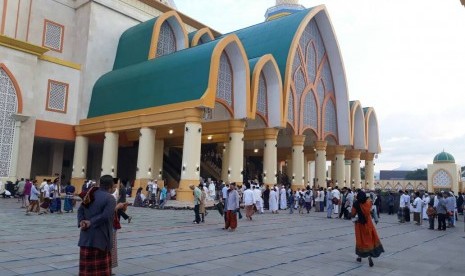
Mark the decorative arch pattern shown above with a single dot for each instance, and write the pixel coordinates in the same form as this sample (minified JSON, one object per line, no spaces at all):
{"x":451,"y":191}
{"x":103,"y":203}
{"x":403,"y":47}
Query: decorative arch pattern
{"x":310,"y":111}
{"x":442,"y":179}
{"x":409,"y":187}
{"x":311,"y":71}
{"x":166,"y":41}
{"x":330,"y":118}
{"x":224,"y":91}
{"x":421,"y":187}
{"x":9,"y":105}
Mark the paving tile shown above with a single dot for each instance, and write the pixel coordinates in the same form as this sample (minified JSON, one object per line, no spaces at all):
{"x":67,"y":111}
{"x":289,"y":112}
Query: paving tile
{"x":165,"y":243}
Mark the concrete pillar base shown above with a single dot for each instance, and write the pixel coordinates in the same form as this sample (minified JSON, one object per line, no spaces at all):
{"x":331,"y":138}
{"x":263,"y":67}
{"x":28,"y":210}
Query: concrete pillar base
{"x":77,"y":183}
{"x":184,"y":193}
{"x":294,"y":187}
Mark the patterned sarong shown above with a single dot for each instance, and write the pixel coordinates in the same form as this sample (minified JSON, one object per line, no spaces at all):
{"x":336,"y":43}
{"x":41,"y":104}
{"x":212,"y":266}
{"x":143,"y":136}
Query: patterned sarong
{"x":94,"y":262}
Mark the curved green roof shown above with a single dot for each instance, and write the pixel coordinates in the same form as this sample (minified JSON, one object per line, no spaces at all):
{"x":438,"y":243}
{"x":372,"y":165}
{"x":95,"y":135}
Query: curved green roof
{"x":178,"y":77}
{"x":134,"y":45}
{"x":444,"y":157}
{"x":272,"y":37}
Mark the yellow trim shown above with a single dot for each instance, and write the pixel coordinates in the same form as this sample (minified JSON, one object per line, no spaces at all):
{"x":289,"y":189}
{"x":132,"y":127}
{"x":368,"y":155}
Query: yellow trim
{"x":22,"y":46}
{"x":61,"y":62}
{"x":199,"y":34}
{"x":292,"y":53}
{"x":156,"y":32}
{"x":276,"y":16}
{"x":256,"y":79}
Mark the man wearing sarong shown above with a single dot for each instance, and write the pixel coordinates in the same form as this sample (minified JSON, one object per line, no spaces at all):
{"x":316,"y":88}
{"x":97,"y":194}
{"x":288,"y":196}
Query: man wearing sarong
{"x":249,"y":200}
{"x":232,"y":207}
{"x":400,"y":212}
{"x":95,"y":219}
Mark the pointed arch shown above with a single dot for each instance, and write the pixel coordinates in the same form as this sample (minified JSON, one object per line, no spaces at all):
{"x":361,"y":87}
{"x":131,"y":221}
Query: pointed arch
{"x":320,"y":15}
{"x":371,"y":130}
{"x":19,"y":96}
{"x":202,"y":36}
{"x":234,"y":49}
{"x":175,"y":23}
{"x":10,"y":105}
{"x":267,"y":67}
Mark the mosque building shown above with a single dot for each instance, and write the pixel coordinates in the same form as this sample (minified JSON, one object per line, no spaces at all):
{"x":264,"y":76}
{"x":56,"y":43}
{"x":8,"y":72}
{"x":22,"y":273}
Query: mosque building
{"x":149,"y":92}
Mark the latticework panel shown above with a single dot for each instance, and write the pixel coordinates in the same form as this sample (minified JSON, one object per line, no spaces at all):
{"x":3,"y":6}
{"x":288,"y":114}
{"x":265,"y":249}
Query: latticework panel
{"x":310,"y":111}
{"x":330,"y":118}
{"x":290,"y":109}
{"x":8,"y":107}
{"x":321,"y":92}
{"x":262,"y":96}
{"x":442,"y":179}
{"x":225,"y":80}
{"x":53,"y":36}
{"x":57,"y":96}
{"x":166,"y":41}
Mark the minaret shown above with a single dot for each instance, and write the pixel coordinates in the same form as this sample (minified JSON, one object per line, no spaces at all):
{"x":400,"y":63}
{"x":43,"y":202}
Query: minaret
{"x":283,"y":8}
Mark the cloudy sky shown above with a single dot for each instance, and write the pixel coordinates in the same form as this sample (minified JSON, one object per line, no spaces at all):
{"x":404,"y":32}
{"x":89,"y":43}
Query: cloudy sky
{"x":404,"y":58}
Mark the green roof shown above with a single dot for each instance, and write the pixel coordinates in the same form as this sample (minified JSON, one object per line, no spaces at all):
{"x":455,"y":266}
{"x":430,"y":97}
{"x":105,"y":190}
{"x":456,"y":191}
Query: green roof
{"x":272,"y":37}
{"x":134,"y":45}
{"x":178,"y":77}
{"x":137,"y":83}
{"x":444,"y":157}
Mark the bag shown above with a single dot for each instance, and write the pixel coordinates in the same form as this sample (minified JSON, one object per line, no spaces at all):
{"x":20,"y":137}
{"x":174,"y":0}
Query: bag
{"x":335,"y":201}
{"x":220,"y":208}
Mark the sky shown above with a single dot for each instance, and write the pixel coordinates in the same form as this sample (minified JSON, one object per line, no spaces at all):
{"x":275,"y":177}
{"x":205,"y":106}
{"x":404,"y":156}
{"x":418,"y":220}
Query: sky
{"x":404,"y":58}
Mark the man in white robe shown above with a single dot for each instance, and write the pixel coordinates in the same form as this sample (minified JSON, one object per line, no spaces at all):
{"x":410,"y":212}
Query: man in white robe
{"x":283,"y":200}
{"x":273,"y":201}
{"x":426,"y":200}
{"x":336,"y":194}
{"x":258,"y":198}
{"x":211,"y":191}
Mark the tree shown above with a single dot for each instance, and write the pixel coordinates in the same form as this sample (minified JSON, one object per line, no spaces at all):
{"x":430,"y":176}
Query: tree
{"x":419,"y":174}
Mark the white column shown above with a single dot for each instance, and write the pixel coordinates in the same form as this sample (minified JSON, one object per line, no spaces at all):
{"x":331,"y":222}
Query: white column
{"x":347,"y":175}
{"x":340,"y":165}
{"x":270,"y":156}
{"x":110,"y":154}
{"x":306,"y":172}
{"x":236,"y":151}
{"x":297,"y":178}
{"x":81,"y":149}
{"x":369,"y":171}
{"x":225,"y":162}
{"x":355,"y":168}
{"x":157,"y":171}
{"x":190,"y":167}
{"x":145,"y":156}
{"x":320,"y":159}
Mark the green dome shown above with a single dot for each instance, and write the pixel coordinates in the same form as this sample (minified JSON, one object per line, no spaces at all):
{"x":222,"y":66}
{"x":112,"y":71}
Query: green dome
{"x":444,"y":157}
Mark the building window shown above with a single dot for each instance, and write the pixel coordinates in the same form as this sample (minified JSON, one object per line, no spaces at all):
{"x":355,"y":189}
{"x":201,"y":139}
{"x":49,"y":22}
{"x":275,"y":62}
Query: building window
{"x":53,"y":36}
{"x":8,"y":107}
{"x":442,"y":179}
{"x":57,"y":96}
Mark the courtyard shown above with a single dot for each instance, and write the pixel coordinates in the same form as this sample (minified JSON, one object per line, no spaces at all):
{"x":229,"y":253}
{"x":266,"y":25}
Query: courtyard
{"x":165,"y":242}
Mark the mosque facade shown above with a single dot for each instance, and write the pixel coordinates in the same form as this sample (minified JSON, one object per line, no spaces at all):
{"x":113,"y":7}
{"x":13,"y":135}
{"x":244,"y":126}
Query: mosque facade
{"x":87,"y":97}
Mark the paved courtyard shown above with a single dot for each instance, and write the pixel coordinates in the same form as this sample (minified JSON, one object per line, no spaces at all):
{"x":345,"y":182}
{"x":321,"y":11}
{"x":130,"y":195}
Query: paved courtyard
{"x":165,"y":242}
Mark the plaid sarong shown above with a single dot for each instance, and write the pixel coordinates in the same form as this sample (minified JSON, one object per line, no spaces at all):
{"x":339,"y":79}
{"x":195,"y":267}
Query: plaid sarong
{"x":94,"y":262}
